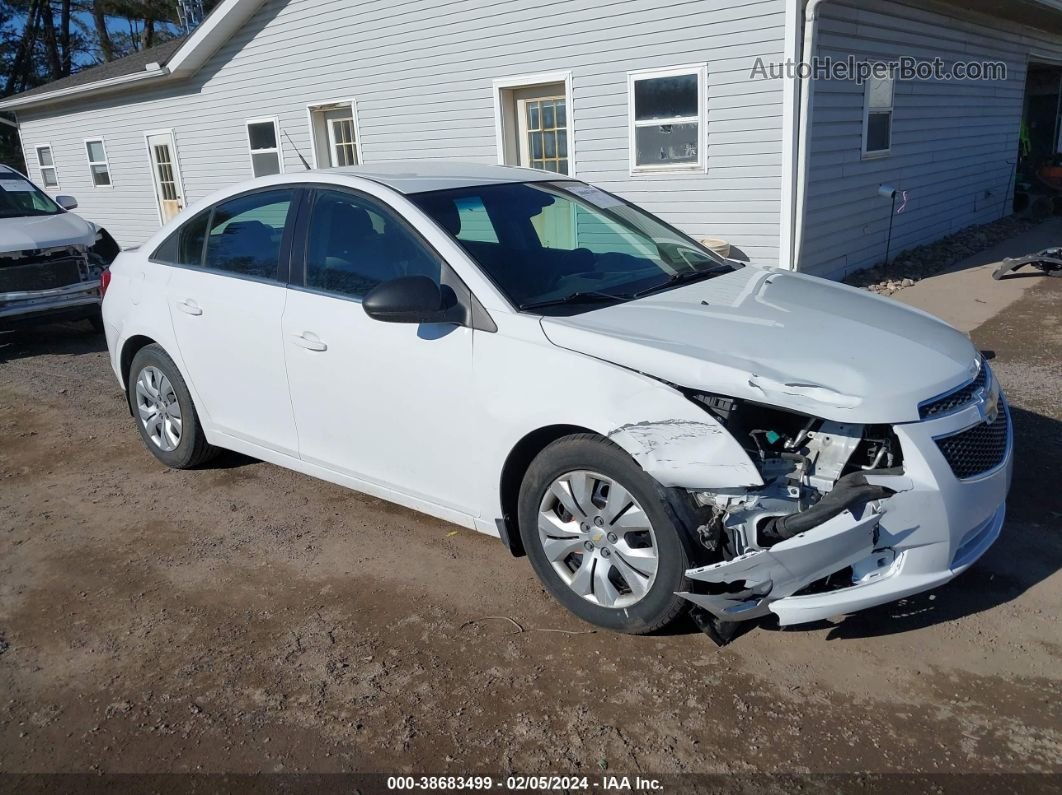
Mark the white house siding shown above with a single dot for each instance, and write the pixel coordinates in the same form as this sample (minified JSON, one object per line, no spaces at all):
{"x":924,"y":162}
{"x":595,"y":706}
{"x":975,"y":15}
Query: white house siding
{"x":421,"y":73}
{"x":953,"y":143}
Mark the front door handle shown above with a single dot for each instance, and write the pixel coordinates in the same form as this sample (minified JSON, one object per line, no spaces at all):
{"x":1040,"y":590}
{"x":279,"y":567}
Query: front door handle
{"x":309,"y":341}
{"x":189,"y":307}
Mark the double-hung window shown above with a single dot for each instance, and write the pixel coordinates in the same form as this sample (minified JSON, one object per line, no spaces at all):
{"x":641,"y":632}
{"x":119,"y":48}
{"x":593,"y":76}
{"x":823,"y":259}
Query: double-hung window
{"x":878,"y":93}
{"x":263,"y":137}
{"x":99,"y":168}
{"x":46,"y":165}
{"x":666,"y":118}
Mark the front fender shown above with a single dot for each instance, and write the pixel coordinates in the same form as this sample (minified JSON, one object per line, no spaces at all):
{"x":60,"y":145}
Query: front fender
{"x":687,"y":452}
{"x":534,"y":384}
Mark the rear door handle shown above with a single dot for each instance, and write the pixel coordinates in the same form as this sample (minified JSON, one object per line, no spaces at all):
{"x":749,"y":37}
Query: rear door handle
{"x":189,"y":307}
{"x":309,"y":341}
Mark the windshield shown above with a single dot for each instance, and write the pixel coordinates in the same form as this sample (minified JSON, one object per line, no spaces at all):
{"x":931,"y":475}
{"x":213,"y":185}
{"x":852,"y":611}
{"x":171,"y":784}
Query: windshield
{"x":20,"y":197}
{"x":567,"y":244}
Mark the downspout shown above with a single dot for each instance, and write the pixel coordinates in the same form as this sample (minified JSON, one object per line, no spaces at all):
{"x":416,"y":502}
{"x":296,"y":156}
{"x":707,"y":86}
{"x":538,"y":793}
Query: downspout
{"x":800,"y":177}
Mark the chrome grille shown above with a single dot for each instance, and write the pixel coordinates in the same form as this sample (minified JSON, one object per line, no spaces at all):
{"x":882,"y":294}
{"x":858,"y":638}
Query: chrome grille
{"x":978,"y":449}
{"x":957,"y":399}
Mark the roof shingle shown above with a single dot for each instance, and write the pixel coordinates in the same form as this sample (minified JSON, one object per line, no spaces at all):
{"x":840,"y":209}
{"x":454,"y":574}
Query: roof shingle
{"x":128,"y":65}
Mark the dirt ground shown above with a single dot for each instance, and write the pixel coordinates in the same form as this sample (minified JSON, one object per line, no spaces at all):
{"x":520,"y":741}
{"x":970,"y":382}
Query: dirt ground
{"x":247,"y":618}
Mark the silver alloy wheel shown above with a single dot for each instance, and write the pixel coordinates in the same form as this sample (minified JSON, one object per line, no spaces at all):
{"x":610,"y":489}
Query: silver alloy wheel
{"x":159,"y":409}
{"x":598,"y":539}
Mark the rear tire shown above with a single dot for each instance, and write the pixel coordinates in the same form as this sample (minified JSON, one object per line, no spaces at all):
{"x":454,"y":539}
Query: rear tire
{"x":617,"y":558}
{"x":164,"y":412}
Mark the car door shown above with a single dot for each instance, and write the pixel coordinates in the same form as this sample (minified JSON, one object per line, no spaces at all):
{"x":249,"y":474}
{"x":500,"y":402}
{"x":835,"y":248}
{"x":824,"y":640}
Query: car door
{"x":226,"y":300}
{"x":389,"y":403}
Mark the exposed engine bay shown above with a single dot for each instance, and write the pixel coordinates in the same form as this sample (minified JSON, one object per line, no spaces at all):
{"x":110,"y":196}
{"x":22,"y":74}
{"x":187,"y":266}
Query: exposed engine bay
{"x":818,"y":475}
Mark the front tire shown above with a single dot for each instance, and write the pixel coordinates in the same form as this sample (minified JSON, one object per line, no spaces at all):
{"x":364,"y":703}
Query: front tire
{"x":165,"y":415}
{"x":604,"y":537}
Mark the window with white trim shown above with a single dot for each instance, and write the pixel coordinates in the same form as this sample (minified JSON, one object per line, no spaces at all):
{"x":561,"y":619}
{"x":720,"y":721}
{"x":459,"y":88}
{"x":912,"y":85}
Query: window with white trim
{"x":666,"y":117}
{"x":878,"y":93}
{"x":334,"y":129}
{"x":99,"y":168}
{"x":263,"y":137}
{"x":46,"y":166}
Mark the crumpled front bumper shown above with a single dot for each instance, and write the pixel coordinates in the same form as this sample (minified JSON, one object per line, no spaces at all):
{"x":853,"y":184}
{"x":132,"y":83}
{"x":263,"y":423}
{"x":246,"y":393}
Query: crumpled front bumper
{"x":28,"y":304}
{"x":931,"y":530}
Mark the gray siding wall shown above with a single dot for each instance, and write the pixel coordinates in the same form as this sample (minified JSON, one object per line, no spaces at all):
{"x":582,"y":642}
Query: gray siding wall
{"x":953,"y":143}
{"x":421,"y":73}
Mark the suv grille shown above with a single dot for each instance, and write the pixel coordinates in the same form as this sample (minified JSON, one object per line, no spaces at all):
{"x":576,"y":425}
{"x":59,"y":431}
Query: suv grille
{"x":977,"y":449}
{"x":40,"y":275}
{"x":954,"y":400}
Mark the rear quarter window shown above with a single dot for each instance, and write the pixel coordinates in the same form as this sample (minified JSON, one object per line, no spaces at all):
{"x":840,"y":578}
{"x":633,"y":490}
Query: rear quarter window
{"x":185,"y":246}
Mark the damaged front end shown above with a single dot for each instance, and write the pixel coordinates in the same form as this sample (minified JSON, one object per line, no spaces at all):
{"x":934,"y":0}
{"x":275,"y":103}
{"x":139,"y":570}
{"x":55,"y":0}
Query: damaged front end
{"x":56,"y":283}
{"x":813,"y":526}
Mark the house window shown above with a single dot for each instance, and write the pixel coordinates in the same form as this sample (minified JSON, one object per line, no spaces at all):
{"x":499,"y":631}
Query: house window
{"x":263,"y":137}
{"x":99,"y":168}
{"x":46,"y":164}
{"x":666,"y":113}
{"x":334,"y":130}
{"x":877,"y":115}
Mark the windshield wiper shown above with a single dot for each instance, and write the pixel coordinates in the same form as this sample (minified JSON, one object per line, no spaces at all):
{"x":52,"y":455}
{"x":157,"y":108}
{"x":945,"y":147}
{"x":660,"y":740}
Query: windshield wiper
{"x":684,"y":277}
{"x":583,"y":296}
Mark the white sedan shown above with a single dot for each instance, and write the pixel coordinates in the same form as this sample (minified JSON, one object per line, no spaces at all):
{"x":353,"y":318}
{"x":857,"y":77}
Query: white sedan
{"x":517,"y":352}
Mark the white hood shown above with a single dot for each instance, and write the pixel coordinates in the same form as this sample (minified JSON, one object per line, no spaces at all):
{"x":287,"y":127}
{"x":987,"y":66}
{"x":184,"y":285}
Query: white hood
{"x":45,"y":231}
{"x":783,"y":339}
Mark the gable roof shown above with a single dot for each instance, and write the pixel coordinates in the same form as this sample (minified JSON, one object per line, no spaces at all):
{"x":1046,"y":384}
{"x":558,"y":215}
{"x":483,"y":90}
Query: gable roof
{"x":172,"y":60}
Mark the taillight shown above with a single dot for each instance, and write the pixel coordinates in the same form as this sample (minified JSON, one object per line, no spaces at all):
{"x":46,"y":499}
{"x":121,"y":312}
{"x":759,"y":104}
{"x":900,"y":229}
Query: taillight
{"x":105,"y":282}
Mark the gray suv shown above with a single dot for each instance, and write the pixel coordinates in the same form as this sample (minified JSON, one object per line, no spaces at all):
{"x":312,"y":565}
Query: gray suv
{"x":51,"y":260}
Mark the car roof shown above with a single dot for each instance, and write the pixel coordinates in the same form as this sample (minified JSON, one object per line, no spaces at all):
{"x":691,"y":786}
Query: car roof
{"x":422,"y":176}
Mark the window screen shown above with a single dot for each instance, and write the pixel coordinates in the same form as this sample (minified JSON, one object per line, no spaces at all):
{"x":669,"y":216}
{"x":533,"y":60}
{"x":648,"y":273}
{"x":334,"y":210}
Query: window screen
{"x":99,"y":167}
{"x":879,"y":132}
{"x":265,"y":148}
{"x":665,"y":97}
{"x":878,"y":94}
{"x":46,"y":163}
{"x":665,"y":124}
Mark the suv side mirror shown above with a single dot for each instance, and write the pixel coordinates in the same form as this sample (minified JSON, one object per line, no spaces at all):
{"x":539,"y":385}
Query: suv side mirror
{"x":412,"y":299}
{"x":66,"y":202}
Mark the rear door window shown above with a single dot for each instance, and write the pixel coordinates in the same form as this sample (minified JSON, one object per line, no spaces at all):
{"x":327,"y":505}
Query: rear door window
{"x":185,"y":246}
{"x":245,"y":234}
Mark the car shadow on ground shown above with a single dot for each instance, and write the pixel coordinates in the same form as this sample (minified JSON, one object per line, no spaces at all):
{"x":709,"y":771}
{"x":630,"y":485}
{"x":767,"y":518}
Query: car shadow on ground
{"x":57,"y":338}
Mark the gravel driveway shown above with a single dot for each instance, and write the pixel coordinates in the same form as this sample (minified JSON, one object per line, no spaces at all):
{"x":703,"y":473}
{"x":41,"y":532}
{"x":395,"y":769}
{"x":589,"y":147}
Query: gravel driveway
{"x":247,"y":618}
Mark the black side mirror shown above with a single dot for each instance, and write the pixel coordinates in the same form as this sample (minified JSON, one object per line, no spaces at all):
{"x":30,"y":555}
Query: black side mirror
{"x":412,"y":299}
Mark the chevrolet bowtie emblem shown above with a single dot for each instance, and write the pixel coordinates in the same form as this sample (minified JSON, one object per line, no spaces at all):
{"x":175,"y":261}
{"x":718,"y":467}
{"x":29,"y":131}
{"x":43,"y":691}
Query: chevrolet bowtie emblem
{"x":988,"y":402}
